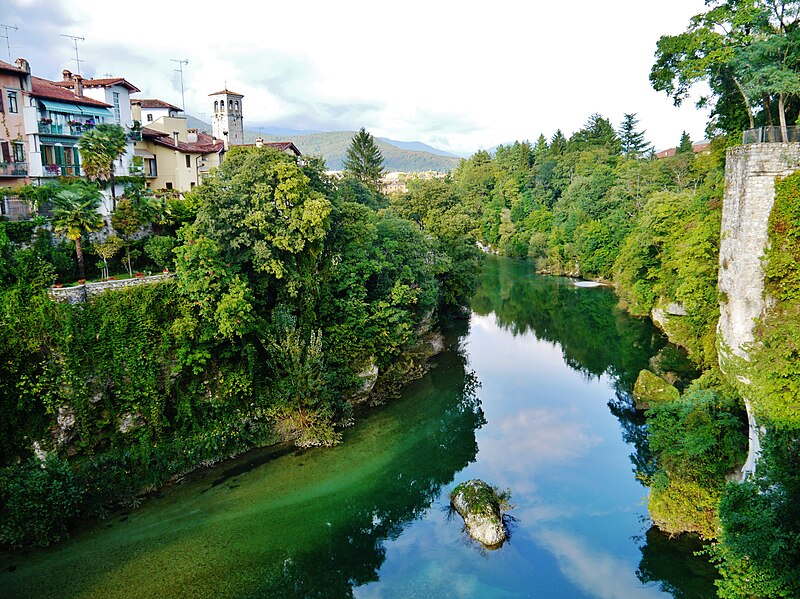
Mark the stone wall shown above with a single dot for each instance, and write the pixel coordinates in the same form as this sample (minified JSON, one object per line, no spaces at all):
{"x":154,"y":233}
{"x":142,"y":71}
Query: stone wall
{"x":750,"y":173}
{"x":81,"y":293}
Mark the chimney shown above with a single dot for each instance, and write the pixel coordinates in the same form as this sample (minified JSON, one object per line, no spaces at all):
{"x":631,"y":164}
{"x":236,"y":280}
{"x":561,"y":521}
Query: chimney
{"x":23,"y":65}
{"x":78,"y":86}
{"x":259,"y":142}
{"x":67,"y":75}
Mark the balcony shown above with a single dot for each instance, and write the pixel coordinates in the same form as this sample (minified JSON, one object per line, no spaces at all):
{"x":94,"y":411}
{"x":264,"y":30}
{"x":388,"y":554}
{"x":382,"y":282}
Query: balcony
{"x":70,"y":129}
{"x":13,"y":169}
{"x":62,"y":170}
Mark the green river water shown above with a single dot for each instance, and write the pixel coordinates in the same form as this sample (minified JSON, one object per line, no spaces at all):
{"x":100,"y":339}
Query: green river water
{"x":532,"y":393}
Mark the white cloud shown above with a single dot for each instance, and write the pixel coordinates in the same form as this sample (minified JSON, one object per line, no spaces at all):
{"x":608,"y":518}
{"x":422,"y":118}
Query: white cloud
{"x":456,"y":74}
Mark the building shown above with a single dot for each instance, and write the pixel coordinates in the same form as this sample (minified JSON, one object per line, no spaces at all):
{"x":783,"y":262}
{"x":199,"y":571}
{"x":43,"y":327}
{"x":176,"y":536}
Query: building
{"x":282,"y":146}
{"x":226,"y":120}
{"x":173,"y":156}
{"x":15,"y":82}
{"x":151,"y":110}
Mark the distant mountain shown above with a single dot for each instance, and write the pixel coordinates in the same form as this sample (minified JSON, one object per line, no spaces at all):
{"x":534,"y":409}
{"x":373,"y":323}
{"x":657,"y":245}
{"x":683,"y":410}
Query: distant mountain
{"x":332,"y":146}
{"x":405,"y":156}
{"x":417,"y":146}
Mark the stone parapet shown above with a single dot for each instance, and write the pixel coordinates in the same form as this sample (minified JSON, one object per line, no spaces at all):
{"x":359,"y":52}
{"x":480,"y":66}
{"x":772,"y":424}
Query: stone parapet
{"x":82,"y":293}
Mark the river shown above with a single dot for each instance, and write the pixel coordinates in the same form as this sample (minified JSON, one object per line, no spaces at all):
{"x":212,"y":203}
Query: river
{"x":532,"y":394}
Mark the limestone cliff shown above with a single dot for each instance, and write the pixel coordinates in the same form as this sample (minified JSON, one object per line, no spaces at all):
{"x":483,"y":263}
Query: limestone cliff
{"x":750,"y":173}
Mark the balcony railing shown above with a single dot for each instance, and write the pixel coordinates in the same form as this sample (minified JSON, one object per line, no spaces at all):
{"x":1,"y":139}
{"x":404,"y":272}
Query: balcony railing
{"x":71,"y":130}
{"x":762,"y":135}
{"x":13,"y":169}
{"x":62,"y":170}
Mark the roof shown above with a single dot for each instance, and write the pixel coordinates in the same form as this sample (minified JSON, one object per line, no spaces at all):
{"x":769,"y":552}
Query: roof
{"x":155,"y":103}
{"x":205,"y":144}
{"x":6,"y":66}
{"x":42,"y":88}
{"x":102,"y":83}
{"x":281,"y":146}
{"x":227,"y":92}
{"x":696,"y":148}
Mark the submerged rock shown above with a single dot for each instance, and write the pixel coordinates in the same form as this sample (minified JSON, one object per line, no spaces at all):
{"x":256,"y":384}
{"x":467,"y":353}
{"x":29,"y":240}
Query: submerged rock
{"x":481,"y":507}
{"x":651,"y":389}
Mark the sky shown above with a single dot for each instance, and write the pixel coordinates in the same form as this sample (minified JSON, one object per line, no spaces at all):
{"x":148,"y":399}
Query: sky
{"x":457,"y":75}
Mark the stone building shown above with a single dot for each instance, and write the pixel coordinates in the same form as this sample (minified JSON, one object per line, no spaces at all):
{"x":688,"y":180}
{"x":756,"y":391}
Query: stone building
{"x":226,"y":120}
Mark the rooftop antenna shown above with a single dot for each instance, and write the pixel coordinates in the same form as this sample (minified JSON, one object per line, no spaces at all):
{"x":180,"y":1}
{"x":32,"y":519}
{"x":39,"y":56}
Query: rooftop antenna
{"x":180,"y":70}
{"x":7,"y":35}
{"x":75,"y":39}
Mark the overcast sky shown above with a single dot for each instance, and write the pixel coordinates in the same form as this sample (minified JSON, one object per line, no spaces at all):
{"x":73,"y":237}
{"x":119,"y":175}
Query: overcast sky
{"x":460,"y":76}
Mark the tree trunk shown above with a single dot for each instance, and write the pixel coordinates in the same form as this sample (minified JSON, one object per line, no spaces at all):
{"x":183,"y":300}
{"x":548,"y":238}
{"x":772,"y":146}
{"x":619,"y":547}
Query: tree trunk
{"x":128,"y":256}
{"x":782,"y":116}
{"x":768,"y":106}
{"x":746,"y":103}
{"x":79,"y":253}
{"x":113,"y":190}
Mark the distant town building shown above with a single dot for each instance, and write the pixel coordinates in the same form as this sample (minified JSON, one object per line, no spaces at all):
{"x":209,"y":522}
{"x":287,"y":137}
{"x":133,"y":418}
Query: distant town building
{"x":226,"y":120}
{"x":281,"y":146}
{"x":151,"y":110}
{"x":698,"y":148}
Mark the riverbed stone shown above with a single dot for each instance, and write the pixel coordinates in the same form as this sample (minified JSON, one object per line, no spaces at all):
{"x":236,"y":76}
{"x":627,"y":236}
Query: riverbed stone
{"x":480,"y":506}
{"x":651,"y":389}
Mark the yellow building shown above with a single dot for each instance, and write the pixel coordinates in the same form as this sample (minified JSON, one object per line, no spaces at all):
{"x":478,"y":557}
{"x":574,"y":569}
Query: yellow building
{"x":173,"y":156}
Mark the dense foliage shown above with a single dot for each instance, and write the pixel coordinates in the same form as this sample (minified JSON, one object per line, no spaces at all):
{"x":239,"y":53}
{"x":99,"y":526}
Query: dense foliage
{"x":286,"y":289}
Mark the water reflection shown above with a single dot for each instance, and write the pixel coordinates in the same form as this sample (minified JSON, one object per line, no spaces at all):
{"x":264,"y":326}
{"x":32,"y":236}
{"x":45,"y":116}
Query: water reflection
{"x":307,"y":524}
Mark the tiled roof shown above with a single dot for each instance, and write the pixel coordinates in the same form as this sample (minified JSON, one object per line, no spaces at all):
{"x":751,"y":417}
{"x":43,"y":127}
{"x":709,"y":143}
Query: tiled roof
{"x":42,"y":88}
{"x":102,"y":83}
{"x":154,"y":103}
{"x":5,"y":66}
{"x":696,"y":148}
{"x":226,"y":91}
{"x":281,"y":146}
{"x":205,"y":143}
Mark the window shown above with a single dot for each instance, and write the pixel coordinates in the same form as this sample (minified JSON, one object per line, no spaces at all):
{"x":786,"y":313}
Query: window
{"x":188,"y":161}
{"x":117,"y":114}
{"x":149,"y":117}
{"x":191,"y":184}
{"x":216,"y":106}
{"x":12,"y":101}
{"x":236,"y":104}
{"x":19,"y":152}
{"x":169,"y":184}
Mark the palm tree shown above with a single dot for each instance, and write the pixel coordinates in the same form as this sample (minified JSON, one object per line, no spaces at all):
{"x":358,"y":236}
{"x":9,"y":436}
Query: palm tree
{"x":100,"y":147}
{"x":75,"y":213}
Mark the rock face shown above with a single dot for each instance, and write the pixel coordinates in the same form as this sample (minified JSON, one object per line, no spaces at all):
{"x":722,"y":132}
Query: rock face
{"x":750,"y":172}
{"x":480,"y":506}
{"x":651,"y":389}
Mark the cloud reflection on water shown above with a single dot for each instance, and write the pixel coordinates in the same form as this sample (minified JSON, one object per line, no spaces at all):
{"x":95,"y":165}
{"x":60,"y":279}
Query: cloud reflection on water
{"x":597,"y":573}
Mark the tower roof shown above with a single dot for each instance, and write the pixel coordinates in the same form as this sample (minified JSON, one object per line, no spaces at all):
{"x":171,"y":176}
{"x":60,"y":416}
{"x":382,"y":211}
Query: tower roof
{"x":226,"y":92}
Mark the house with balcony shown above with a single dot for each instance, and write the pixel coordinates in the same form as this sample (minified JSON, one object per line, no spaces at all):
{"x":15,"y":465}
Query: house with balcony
{"x":115,"y":92}
{"x":15,"y":82}
{"x":55,"y":118}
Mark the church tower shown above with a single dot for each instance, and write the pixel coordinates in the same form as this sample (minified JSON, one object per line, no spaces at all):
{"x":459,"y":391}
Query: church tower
{"x":226,"y":122}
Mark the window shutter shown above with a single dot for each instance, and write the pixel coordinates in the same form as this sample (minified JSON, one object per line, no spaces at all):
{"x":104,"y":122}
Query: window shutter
{"x":2,"y":103}
{"x":6,"y":148}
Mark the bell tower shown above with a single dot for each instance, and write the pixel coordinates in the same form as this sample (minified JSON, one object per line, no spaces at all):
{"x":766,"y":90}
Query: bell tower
{"x":226,"y":120}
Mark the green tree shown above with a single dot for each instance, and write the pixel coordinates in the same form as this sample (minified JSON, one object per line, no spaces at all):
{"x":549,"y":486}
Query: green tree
{"x":126,"y":222}
{"x":364,"y":160}
{"x":100,"y":147}
{"x":75,"y":214}
{"x":633,"y":142}
{"x":685,"y":146}
{"x":107,"y":249}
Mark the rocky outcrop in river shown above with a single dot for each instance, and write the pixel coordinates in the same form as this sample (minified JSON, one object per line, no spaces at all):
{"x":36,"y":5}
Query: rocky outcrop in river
{"x":481,"y":507}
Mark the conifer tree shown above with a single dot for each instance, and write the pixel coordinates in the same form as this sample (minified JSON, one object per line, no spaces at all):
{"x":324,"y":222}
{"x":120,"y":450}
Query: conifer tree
{"x":685,"y":145}
{"x":364,"y":160}
{"x":633,"y":141}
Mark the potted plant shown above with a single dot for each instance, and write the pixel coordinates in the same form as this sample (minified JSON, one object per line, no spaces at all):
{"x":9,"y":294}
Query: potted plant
{"x":46,"y":121}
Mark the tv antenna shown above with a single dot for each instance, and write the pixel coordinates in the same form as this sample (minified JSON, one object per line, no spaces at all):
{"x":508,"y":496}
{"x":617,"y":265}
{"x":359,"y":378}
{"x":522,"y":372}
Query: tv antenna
{"x":180,"y":70}
{"x":7,"y":35}
{"x":75,"y":39}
